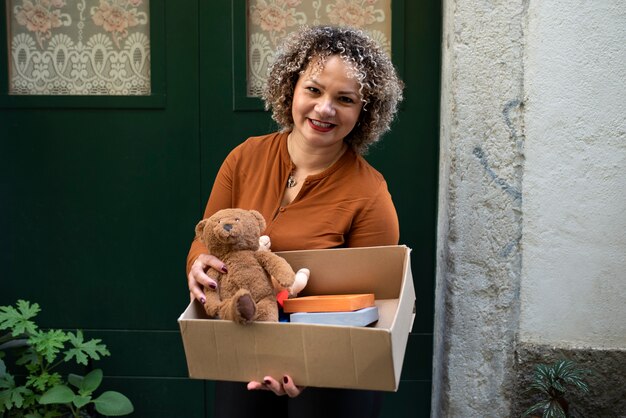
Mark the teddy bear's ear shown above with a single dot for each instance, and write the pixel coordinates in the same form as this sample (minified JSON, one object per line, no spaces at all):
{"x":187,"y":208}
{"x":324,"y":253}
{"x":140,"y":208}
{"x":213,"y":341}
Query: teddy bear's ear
{"x":260,"y":219}
{"x":200,"y":227}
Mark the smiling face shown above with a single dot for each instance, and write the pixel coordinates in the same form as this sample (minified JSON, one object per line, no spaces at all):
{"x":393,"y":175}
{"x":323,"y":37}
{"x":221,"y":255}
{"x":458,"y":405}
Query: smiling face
{"x":326,"y":104}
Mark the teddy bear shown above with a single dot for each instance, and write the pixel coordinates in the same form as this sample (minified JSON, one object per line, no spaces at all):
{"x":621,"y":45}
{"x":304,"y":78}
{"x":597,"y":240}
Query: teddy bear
{"x":246,"y":292}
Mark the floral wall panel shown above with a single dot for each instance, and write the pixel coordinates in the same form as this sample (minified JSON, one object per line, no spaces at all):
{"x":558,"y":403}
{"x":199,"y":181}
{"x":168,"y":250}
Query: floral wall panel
{"x":78,"y":47}
{"x":270,"y":20}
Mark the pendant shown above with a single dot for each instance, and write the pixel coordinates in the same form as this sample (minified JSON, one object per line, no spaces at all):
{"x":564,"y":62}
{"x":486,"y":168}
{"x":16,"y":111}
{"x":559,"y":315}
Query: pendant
{"x":291,"y":181}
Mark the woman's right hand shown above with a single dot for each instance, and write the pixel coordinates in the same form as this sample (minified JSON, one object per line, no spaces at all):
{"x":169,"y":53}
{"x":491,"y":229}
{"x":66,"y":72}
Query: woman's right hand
{"x":197,"y":279}
{"x":286,"y":387}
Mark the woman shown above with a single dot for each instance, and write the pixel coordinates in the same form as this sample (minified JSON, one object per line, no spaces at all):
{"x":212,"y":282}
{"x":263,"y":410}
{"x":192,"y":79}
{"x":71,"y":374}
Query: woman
{"x":333,"y":92}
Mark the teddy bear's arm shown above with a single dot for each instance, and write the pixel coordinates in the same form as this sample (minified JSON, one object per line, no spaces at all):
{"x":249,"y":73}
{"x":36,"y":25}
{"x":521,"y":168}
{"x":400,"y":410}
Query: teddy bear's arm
{"x":212,"y":297}
{"x":300,"y":281}
{"x":277,"y":267}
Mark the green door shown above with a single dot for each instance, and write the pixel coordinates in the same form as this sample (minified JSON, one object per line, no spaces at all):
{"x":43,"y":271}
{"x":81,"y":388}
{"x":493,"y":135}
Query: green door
{"x":99,"y":196}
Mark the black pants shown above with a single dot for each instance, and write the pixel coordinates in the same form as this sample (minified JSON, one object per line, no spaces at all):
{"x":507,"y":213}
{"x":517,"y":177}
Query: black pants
{"x":233,"y":400}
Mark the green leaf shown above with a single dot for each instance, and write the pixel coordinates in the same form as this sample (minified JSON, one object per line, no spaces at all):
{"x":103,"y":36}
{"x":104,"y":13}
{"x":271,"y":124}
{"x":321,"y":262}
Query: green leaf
{"x":3,"y":368}
{"x":75,"y":380}
{"x":30,"y":399}
{"x":554,"y":379}
{"x":88,"y":384}
{"x":554,"y":410}
{"x":558,"y":386}
{"x":92,"y":381}
{"x":18,"y":320}
{"x":7,"y":381}
{"x":11,"y":395}
{"x":542,"y":387}
{"x":84,"y":350}
{"x":584,"y":387}
{"x":29,"y":358}
{"x":48,"y":343}
{"x":538,"y":407}
{"x":112,"y":403}
{"x":80,"y":401}
{"x":43,"y":380}
{"x":58,"y":394}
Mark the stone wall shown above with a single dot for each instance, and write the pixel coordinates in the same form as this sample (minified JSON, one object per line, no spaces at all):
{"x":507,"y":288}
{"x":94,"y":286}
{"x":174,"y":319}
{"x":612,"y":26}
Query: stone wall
{"x":479,"y":258}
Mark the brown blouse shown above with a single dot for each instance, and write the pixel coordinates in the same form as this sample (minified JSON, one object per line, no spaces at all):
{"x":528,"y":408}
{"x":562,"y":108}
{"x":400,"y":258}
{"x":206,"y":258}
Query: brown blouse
{"x":346,"y":205}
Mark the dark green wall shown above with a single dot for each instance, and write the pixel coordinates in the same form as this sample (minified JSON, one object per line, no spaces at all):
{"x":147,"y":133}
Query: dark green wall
{"x":99,"y":197}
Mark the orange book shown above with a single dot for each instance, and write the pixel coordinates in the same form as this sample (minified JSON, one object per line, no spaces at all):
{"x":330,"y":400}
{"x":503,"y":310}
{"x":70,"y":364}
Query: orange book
{"x":329,"y":303}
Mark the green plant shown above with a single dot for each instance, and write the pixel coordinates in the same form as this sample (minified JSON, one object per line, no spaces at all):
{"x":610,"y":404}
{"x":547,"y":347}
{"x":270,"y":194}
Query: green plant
{"x":552,"y":382}
{"x":43,"y":393}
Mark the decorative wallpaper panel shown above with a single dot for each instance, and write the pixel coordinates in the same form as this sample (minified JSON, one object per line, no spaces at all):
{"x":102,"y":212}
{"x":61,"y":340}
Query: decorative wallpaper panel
{"x":270,"y":20}
{"x":78,"y":47}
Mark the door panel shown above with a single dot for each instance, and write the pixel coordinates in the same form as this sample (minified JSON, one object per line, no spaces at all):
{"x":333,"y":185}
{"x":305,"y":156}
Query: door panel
{"x":98,"y":199}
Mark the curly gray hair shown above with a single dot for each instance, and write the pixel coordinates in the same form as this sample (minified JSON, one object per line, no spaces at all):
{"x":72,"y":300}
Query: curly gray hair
{"x":379,"y":85}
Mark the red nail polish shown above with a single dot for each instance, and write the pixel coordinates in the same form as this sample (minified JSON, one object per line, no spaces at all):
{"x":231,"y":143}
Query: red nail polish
{"x":266,"y":381}
{"x":224,"y":269}
{"x":285,"y":379}
{"x":212,"y":286}
{"x":202,"y":301}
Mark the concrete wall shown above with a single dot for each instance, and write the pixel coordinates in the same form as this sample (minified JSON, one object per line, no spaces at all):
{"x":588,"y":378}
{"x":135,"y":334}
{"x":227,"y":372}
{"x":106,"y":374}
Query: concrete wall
{"x":575,"y":174}
{"x":573,"y":282}
{"x":532,"y":207}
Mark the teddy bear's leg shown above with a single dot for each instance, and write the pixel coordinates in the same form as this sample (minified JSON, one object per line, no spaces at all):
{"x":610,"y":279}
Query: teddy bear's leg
{"x":212,"y":302}
{"x":240,"y":308}
{"x":267,"y":310}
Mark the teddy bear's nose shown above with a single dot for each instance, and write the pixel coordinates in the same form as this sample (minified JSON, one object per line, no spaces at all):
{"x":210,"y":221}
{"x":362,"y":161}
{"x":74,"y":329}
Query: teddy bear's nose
{"x":228,"y":227}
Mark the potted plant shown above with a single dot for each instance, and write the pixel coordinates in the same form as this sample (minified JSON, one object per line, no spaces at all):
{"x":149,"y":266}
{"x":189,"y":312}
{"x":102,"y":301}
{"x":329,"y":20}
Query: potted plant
{"x":552,"y":382}
{"x":43,"y":392}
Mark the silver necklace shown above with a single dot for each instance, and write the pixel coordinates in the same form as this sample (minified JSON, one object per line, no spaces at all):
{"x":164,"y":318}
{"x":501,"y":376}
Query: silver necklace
{"x":291,"y":181}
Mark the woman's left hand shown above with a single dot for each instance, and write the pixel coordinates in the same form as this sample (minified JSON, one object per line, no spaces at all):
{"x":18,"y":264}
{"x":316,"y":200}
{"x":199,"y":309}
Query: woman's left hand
{"x":286,"y":387}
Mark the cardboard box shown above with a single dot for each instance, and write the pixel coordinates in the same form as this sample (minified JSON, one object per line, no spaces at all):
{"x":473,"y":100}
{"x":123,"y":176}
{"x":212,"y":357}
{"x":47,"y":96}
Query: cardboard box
{"x":315,"y":355}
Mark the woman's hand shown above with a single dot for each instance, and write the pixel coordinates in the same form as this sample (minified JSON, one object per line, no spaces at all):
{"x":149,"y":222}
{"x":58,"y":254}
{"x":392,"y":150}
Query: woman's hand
{"x":286,"y":387}
{"x":197,"y":279}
